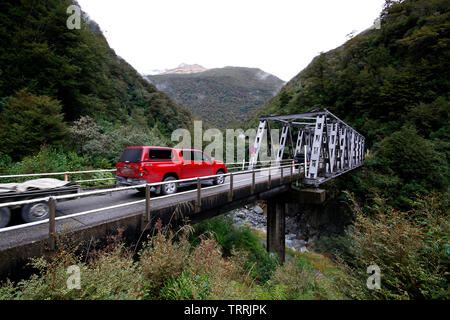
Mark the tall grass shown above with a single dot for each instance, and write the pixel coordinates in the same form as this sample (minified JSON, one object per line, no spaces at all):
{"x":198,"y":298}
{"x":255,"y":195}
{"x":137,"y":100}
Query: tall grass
{"x":170,"y":265}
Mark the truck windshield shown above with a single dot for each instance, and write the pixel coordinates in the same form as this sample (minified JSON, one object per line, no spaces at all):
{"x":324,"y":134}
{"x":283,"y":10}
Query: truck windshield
{"x":131,"y":155}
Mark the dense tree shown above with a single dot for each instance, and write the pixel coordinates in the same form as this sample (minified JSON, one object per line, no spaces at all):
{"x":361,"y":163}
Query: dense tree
{"x":413,"y":158}
{"x":28,"y":121}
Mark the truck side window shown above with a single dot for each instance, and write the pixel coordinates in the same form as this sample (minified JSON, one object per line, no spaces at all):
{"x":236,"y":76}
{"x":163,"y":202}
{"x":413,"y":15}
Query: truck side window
{"x":160,"y":154}
{"x":131,"y":155}
{"x":187,"y":155}
{"x":198,"y":156}
{"x":206,"y":158}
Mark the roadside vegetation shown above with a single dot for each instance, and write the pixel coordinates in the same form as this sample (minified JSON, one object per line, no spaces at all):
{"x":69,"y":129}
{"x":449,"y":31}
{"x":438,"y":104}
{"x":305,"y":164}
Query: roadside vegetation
{"x":218,"y":260}
{"x":226,"y":262}
{"x":411,"y":248}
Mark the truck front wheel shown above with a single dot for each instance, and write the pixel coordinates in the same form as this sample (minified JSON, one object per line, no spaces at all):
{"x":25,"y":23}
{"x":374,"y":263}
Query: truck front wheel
{"x":220,"y":179}
{"x":5,"y":217}
{"x":35,"y":212}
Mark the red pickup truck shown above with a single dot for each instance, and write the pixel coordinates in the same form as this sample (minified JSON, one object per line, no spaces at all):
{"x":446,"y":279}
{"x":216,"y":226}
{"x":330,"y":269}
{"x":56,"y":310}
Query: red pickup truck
{"x":139,"y":165}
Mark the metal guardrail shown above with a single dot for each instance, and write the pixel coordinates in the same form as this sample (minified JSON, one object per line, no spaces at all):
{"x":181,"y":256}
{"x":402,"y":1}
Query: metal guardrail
{"x":66,"y":174}
{"x":52,"y":200}
{"x":45,"y":174}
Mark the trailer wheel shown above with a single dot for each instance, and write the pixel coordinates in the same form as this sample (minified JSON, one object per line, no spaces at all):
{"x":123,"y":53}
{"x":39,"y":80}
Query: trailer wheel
{"x":35,"y":212}
{"x":5,"y":217}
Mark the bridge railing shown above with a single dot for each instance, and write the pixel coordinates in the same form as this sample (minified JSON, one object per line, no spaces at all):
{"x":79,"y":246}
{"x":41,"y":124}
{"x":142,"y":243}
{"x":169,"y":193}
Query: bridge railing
{"x":66,"y":174}
{"x":52,"y":201}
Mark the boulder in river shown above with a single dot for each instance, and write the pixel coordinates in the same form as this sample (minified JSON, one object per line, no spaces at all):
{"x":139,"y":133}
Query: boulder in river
{"x":258,"y":210}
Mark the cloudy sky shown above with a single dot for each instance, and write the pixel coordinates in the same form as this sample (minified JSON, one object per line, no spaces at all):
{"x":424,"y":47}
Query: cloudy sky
{"x":278,"y":36}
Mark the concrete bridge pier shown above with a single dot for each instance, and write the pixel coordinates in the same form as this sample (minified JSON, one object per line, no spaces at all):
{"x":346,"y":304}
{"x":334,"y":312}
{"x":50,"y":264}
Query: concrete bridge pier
{"x":276,"y":228}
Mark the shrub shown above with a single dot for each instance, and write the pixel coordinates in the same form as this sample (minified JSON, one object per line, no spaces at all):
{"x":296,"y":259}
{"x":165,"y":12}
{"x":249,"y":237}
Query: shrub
{"x":186,"y":287}
{"x":111,"y":275}
{"x":292,"y":281}
{"x":49,"y":159}
{"x":410,"y":248}
{"x":162,"y":258}
{"x":230,"y":237}
{"x":5,"y":162}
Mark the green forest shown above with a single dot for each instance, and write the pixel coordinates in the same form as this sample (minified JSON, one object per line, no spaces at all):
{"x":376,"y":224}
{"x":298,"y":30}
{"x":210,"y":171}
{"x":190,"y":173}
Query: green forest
{"x":65,"y":94}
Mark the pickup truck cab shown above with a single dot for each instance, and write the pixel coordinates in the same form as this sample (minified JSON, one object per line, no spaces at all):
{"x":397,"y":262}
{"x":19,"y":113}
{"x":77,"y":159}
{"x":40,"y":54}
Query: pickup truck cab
{"x":139,"y":165}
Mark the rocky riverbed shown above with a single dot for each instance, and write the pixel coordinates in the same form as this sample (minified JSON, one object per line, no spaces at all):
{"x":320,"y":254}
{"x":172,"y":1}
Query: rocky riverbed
{"x":254,"y":217}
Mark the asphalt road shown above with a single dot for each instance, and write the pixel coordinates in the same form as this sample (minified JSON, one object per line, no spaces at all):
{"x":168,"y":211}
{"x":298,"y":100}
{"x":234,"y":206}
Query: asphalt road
{"x":29,"y":234}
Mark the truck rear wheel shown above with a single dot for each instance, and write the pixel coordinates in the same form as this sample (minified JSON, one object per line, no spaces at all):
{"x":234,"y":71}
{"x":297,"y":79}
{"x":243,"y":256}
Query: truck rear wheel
{"x":169,"y":188}
{"x":35,"y":212}
{"x":5,"y":217}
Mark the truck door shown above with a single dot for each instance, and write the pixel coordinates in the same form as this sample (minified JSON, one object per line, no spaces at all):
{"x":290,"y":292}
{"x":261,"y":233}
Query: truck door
{"x":208,"y":165}
{"x":189,"y":167}
{"x":202,"y":168}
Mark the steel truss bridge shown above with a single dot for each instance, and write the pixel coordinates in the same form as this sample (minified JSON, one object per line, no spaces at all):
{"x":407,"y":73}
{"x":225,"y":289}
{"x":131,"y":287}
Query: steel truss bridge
{"x":334,"y":147}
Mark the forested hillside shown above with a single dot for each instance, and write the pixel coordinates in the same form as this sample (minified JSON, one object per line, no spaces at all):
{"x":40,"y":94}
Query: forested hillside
{"x":221,"y":96}
{"x":393,"y":85}
{"x":68,"y":91}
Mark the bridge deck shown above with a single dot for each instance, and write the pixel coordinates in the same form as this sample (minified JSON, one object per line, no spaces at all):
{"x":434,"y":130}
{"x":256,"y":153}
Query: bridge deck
{"x":159,"y":206}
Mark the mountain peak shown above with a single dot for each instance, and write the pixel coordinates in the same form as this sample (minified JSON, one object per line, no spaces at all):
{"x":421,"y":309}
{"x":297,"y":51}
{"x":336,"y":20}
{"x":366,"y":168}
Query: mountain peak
{"x":184,"y":68}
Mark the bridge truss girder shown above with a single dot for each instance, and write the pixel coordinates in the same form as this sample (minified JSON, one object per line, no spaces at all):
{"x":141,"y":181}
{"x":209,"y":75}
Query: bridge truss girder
{"x":335,"y":147}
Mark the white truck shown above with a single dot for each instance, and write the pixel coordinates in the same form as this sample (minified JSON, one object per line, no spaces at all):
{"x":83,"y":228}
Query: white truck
{"x":32,"y":189}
